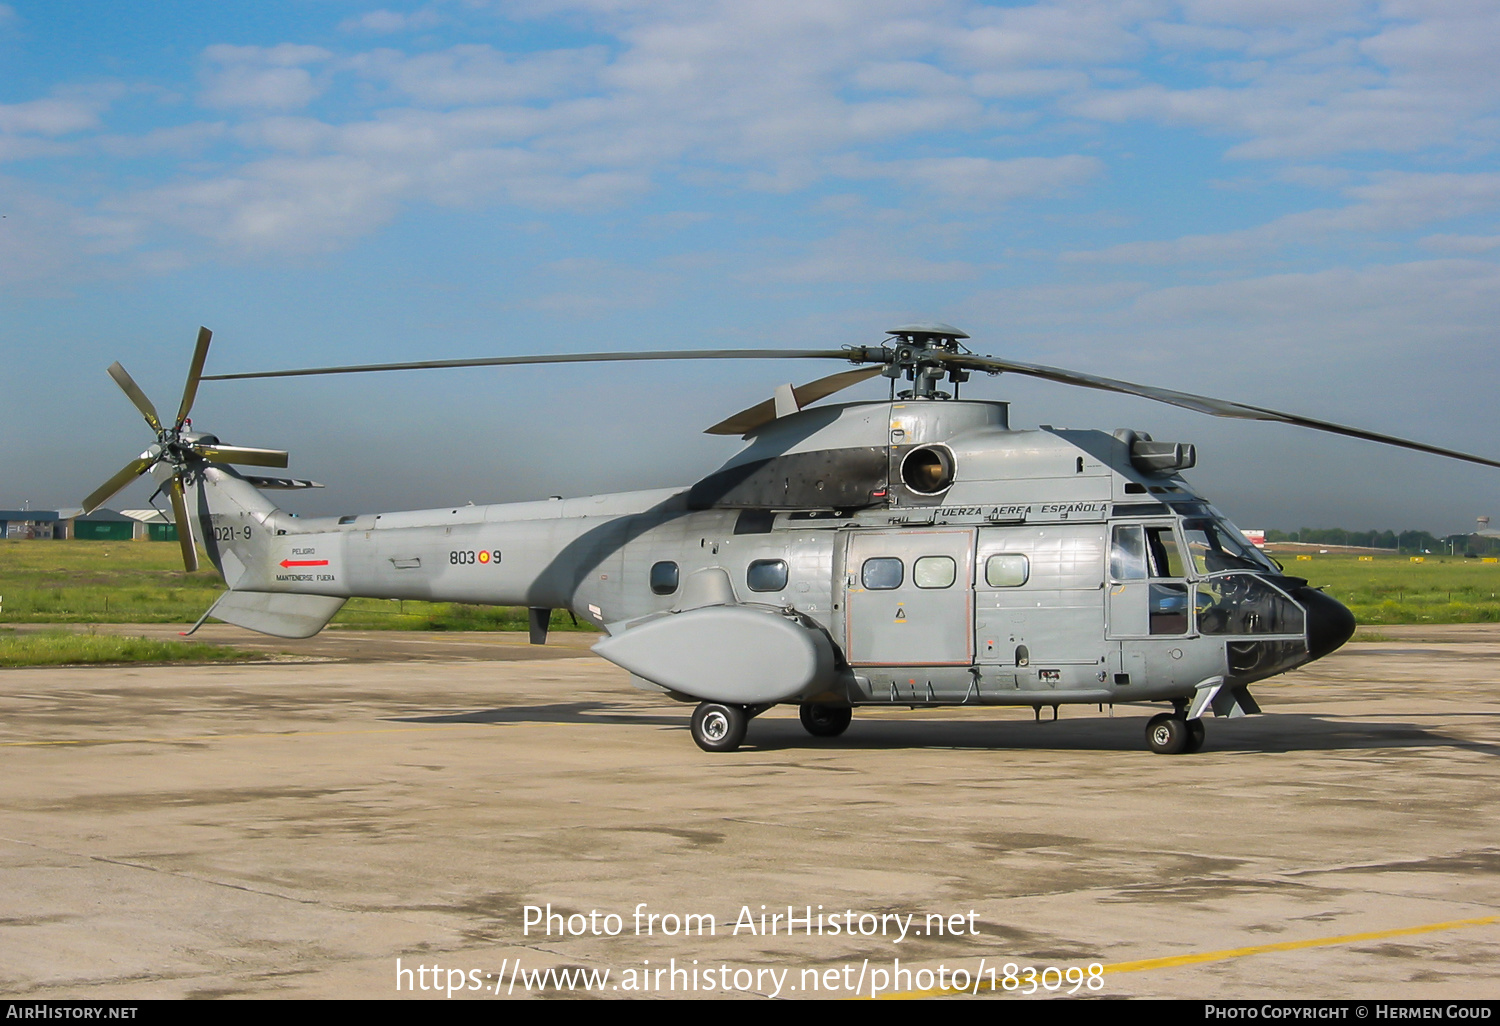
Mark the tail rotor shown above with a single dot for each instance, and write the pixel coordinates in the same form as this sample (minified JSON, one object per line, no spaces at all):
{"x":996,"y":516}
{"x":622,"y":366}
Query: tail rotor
{"x":183,"y":451}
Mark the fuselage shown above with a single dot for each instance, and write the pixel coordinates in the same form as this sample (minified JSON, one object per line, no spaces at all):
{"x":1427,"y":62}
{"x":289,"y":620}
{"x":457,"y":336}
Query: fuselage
{"x":947,"y":558}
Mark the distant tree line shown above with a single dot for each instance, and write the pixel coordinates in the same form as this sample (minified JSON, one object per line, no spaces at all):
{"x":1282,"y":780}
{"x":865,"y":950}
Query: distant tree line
{"x":1399,"y":541}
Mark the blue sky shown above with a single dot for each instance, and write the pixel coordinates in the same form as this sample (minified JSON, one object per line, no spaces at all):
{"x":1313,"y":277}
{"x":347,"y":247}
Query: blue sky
{"x":1295,"y":205}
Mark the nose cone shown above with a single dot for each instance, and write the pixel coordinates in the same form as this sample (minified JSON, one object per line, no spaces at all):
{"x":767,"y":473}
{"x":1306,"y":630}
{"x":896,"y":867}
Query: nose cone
{"x":1329,"y":622}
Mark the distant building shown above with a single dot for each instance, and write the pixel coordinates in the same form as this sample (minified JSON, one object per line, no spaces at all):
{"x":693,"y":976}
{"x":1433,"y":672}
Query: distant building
{"x":31,"y":524}
{"x":104,"y":525}
{"x":100,"y":525}
{"x":152,"y":524}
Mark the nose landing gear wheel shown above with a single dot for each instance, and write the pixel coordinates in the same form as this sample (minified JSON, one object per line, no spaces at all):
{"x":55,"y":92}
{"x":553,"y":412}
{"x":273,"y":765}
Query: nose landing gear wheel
{"x":718,"y":727}
{"x":1170,"y":734}
{"x":825,"y":720}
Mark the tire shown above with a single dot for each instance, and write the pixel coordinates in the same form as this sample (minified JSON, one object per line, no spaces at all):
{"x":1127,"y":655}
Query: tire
{"x":1168,"y":734}
{"x":718,"y":727}
{"x":825,"y":720}
{"x":1197,"y":734}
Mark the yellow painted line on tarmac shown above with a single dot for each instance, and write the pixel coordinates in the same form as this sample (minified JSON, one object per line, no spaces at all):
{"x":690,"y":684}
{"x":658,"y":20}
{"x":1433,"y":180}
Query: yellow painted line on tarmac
{"x":1198,"y":958}
{"x":1317,"y":942}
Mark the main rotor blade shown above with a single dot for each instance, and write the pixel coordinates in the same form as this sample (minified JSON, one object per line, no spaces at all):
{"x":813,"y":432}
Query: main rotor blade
{"x":131,"y":389}
{"x":855,"y":355}
{"x":195,"y":373}
{"x":748,"y":420}
{"x":184,"y":525}
{"x":241,"y":454}
{"x":128,"y":473}
{"x":1199,"y":403}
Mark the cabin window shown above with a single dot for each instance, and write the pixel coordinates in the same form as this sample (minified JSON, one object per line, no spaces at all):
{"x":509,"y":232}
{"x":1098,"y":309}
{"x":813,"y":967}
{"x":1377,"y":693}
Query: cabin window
{"x":766,"y":575}
{"x":1007,"y":570}
{"x":882,"y":573}
{"x":934,"y":572}
{"x":664,"y":577}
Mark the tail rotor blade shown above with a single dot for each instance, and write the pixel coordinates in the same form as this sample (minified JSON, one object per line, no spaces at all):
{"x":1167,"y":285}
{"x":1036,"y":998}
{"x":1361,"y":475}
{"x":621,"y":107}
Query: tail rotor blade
{"x":128,"y":473}
{"x":195,"y":374}
{"x":184,"y":526}
{"x":131,"y":389}
{"x":242,"y":454}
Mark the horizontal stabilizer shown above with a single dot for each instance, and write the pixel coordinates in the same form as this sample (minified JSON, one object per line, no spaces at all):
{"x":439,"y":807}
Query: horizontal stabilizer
{"x":279,"y":614}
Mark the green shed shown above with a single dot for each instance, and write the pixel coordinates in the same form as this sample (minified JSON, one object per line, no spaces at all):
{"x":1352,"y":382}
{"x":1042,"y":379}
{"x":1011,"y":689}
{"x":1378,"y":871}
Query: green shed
{"x":104,"y":525}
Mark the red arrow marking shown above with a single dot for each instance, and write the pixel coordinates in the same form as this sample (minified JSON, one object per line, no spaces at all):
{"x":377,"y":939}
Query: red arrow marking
{"x":304,"y":562}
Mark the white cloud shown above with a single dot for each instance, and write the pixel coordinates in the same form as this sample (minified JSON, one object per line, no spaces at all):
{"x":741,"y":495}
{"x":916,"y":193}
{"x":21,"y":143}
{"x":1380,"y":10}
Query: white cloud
{"x":865,"y":255}
{"x":312,"y":204}
{"x":1048,"y":34}
{"x":269,"y":78}
{"x":36,"y":128}
{"x":179,"y":140}
{"x":1299,"y":80}
{"x":1387,"y":202}
{"x":53,"y":116}
{"x":384,"y":22}
{"x":981,"y":182}
{"x":29,"y":147}
{"x":479,"y":74}
{"x":1472,"y":244}
{"x":782,"y":95}
{"x":1341,"y":312}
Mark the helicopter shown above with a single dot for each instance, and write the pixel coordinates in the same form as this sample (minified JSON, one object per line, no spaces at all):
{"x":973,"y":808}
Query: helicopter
{"x":915,"y":551}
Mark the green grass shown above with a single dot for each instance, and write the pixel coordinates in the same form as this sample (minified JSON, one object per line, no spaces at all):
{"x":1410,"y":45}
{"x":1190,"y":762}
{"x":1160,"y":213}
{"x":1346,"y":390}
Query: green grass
{"x":62,"y":648}
{"x":143,"y":582}
{"x":1393,"y":589}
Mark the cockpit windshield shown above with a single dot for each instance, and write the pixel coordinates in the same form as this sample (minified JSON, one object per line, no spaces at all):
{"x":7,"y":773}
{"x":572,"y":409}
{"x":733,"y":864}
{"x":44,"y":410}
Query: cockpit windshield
{"x":1216,"y":546}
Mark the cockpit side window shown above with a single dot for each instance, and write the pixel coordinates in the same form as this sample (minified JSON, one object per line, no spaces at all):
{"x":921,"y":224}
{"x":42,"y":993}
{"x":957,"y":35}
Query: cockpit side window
{"x":1214,"y":549}
{"x":1165,"y":557}
{"x":1140,"y":552}
{"x":1127,"y":554}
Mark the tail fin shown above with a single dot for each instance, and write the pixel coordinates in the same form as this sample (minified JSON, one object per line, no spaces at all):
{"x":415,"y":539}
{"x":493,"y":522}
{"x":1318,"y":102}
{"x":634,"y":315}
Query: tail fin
{"x":234,"y":520}
{"x":239,"y":526}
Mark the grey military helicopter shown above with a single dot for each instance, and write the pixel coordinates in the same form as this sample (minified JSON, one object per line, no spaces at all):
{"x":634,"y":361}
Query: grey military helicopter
{"x":915,"y":551}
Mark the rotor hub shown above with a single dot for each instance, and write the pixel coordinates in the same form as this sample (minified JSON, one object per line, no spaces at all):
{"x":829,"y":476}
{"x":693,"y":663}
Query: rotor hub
{"x":920,"y":354}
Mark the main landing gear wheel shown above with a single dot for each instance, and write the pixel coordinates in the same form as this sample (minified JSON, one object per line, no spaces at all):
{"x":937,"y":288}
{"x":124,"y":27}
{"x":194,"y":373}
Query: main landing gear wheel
{"x":1197,"y":732}
{"x":1170,"y":734}
{"x":825,"y":720}
{"x":718,"y":727}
